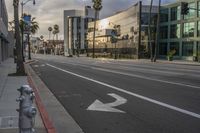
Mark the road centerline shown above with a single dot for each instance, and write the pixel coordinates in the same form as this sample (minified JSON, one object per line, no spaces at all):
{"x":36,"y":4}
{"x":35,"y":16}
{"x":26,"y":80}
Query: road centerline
{"x":131,"y":93}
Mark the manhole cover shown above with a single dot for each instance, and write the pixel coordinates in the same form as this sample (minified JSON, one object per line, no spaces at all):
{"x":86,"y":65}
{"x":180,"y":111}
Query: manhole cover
{"x":8,"y":122}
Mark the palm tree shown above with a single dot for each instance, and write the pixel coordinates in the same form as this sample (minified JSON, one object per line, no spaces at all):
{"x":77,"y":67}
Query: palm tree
{"x":42,"y":39}
{"x":50,"y":30}
{"x":97,"y":7}
{"x":34,"y":25}
{"x":149,"y":32}
{"x":157,"y":32}
{"x":20,"y":64}
{"x":56,"y":30}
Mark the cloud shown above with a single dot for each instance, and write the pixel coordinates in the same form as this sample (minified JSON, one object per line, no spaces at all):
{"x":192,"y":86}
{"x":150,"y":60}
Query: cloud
{"x":50,"y":12}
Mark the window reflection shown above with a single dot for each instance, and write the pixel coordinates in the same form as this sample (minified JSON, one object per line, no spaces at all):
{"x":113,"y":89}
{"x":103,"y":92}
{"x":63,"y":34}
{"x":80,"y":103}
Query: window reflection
{"x":187,"y":48}
{"x":175,"y":13}
{"x":175,"y":31}
{"x":188,"y":29}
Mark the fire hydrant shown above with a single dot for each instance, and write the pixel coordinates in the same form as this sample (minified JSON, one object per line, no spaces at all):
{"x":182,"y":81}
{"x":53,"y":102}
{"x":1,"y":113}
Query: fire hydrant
{"x":26,"y":109}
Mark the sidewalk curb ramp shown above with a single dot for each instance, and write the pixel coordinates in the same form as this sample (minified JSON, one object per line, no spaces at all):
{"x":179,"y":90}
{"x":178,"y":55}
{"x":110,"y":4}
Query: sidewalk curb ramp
{"x":55,"y":118}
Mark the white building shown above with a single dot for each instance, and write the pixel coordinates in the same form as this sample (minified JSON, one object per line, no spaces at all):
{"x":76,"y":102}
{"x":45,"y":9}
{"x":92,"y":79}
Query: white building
{"x":75,"y":29}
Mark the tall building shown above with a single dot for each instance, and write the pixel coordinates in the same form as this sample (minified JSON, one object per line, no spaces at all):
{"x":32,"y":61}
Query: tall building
{"x":75,"y":29}
{"x":132,"y":27}
{"x":4,"y":53}
{"x":180,"y":32}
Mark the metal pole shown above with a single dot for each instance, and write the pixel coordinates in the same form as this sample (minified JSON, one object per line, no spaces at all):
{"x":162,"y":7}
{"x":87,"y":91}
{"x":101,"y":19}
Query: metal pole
{"x":115,"y":51}
{"x":139,"y":38}
{"x":22,"y":30}
{"x":29,"y":48}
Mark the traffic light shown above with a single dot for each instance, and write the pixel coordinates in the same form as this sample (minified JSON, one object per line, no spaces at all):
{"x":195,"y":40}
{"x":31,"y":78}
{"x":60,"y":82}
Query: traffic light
{"x":184,"y":8}
{"x":113,"y":38}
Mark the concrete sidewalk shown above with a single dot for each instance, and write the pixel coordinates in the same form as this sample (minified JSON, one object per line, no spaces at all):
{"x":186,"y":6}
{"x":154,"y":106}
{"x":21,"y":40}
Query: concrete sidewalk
{"x":8,"y":96}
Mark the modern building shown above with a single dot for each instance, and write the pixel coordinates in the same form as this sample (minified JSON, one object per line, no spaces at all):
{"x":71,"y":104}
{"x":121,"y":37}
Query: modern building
{"x":132,"y":30}
{"x":4,"y":43}
{"x":75,"y":29}
{"x":180,"y":32}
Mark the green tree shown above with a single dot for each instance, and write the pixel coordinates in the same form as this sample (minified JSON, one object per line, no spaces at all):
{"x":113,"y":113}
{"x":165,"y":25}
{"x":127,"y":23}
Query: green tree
{"x":20,"y":65}
{"x":97,"y":5}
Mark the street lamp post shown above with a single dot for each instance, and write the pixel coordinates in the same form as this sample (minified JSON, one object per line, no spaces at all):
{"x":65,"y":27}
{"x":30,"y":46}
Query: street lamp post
{"x":22,"y":5}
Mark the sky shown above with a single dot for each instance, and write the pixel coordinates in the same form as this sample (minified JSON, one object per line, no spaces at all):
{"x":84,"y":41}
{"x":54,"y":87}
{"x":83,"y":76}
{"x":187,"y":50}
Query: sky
{"x":50,"y":12}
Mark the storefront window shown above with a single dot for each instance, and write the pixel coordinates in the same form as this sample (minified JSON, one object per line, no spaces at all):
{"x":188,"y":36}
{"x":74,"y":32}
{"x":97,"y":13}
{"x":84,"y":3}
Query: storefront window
{"x":163,"y":48}
{"x":164,"y":32}
{"x":191,"y":12}
{"x":187,"y":48}
{"x":164,"y":15}
{"x":188,"y":29}
{"x":175,"y":31}
{"x":174,"y":46}
{"x":175,"y":13}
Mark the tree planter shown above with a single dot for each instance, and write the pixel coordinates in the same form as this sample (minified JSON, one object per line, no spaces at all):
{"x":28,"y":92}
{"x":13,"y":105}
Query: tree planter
{"x":195,"y":58}
{"x":170,"y":58}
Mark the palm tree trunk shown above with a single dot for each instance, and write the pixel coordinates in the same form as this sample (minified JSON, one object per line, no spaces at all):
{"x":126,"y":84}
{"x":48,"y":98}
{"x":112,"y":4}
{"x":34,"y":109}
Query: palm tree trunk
{"x":157,"y":33}
{"x":20,"y":64}
{"x":49,"y":35}
{"x":149,"y":32}
{"x":94,"y":32}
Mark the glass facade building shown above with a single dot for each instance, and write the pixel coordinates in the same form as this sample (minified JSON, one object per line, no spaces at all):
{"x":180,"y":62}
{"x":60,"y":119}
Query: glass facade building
{"x":183,"y":30}
{"x":133,"y":33}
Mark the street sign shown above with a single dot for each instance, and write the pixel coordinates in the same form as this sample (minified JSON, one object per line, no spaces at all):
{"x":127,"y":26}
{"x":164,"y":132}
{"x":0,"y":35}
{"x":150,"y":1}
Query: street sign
{"x":27,"y":19}
{"x":108,"y":107}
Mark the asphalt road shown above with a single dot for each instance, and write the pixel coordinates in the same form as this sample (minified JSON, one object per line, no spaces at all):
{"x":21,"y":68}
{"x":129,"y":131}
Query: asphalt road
{"x":107,"y":96}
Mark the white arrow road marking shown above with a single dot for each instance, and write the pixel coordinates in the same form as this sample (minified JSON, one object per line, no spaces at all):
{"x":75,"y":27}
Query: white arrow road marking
{"x":131,"y":93}
{"x":108,"y":107}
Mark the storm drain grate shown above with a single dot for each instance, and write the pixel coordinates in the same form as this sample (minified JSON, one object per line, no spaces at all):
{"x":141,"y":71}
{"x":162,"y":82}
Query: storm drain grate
{"x":8,"y":122}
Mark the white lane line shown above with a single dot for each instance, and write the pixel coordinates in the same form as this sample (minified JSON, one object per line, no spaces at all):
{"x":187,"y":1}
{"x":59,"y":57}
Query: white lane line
{"x":150,"y":71}
{"x":131,"y":93}
{"x":148,"y":78}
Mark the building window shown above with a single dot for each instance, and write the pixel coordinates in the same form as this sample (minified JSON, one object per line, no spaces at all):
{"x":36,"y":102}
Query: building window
{"x":164,"y":15}
{"x":163,"y":48}
{"x":187,"y":48}
{"x":199,"y":9}
{"x":175,"y":13}
{"x":198,"y":30}
{"x":175,"y":31}
{"x":145,"y":18}
{"x":174,"y":46}
{"x":188,"y":29}
{"x":192,"y":12}
{"x":164,"y":32}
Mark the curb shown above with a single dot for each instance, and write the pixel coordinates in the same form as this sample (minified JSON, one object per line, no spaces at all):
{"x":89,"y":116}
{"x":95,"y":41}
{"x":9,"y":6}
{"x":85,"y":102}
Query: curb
{"x":44,"y":115}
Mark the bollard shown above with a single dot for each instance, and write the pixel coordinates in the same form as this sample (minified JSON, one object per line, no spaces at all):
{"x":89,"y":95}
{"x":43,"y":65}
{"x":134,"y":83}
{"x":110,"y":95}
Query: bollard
{"x":26,"y":109}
